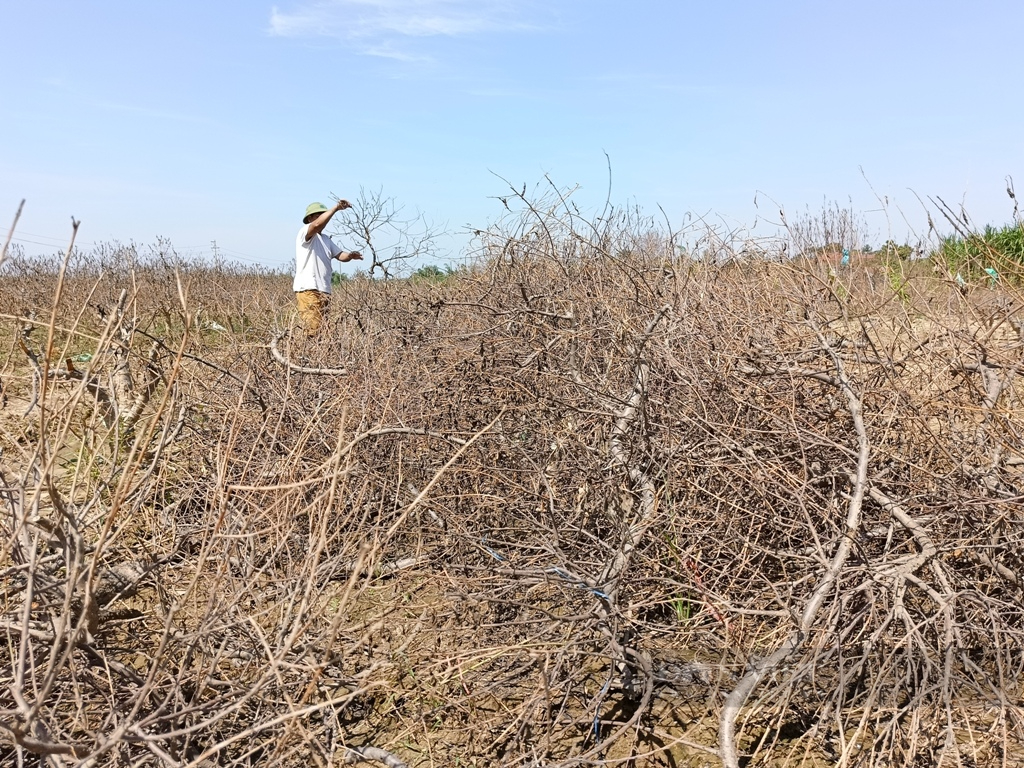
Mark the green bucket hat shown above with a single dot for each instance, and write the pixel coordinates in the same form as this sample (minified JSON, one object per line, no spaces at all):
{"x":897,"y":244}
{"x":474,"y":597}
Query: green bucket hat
{"x":316,"y":208}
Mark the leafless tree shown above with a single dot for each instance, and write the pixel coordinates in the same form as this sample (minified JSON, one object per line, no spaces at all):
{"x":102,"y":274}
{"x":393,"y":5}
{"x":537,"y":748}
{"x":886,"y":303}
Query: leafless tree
{"x":378,"y":226}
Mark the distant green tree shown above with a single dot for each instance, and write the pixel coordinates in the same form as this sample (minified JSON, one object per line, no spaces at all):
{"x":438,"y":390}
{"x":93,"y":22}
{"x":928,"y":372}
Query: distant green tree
{"x":430,"y":272}
{"x":892,"y":249}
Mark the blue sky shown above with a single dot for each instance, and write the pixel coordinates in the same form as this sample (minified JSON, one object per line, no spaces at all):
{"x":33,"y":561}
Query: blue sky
{"x":222,"y":120}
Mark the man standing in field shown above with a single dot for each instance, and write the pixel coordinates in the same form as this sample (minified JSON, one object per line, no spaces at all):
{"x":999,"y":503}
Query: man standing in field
{"x":313,"y":271}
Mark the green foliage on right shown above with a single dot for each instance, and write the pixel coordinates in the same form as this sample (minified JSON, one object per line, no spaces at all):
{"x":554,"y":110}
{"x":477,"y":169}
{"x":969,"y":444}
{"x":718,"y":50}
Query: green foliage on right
{"x":999,"y":249}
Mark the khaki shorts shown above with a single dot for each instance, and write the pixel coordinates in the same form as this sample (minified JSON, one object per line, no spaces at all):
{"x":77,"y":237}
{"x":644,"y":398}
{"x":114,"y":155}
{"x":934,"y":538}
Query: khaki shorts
{"x":313,"y":309}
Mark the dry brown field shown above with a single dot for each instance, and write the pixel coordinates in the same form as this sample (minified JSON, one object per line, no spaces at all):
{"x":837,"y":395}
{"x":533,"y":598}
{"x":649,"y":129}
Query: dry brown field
{"x":589,"y":501}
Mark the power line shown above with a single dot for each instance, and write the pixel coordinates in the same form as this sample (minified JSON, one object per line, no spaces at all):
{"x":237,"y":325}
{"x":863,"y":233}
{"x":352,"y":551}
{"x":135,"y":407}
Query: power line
{"x":57,"y":242}
{"x":44,"y":237}
{"x":60,"y":243}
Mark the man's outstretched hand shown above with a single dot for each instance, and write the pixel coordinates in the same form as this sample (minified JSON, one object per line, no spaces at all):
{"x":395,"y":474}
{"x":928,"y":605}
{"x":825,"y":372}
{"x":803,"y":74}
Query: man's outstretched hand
{"x":342,"y":205}
{"x":350,"y":256}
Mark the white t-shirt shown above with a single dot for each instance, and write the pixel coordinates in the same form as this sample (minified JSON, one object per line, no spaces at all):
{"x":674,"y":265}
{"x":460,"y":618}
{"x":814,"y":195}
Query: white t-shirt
{"x":313,"y":267}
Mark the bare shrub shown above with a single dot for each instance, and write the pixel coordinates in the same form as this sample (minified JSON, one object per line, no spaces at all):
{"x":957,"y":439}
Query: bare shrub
{"x":591,"y":500}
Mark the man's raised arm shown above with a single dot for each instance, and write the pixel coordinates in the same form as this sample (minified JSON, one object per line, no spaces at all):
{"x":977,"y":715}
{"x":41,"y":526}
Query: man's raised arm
{"x":317,"y":225}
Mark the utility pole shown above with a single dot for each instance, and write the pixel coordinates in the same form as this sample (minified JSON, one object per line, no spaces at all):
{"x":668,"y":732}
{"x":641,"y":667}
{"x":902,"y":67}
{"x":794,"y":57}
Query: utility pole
{"x":216,"y":252}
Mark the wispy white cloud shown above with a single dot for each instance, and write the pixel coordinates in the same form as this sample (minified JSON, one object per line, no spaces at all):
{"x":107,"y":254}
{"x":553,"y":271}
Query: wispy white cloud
{"x":388,"y":50}
{"x":150,"y":112}
{"x":385,"y":27}
{"x":89,"y":99}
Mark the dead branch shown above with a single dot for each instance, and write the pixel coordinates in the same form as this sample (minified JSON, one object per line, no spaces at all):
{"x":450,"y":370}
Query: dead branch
{"x":826,"y":582}
{"x":10,"y":233}
{"x":283,"y":360}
